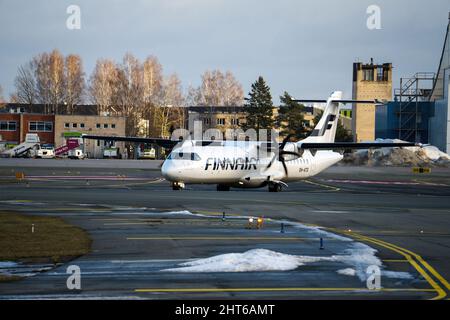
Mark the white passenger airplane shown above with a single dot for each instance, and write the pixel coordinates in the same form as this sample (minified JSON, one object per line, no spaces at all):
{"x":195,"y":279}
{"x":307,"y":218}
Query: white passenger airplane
{"x":254,"y":164}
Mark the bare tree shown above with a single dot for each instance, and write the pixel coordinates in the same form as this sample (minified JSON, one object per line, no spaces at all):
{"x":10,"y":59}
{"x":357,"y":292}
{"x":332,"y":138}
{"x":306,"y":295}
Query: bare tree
{"x":50,"y":80}
{"x":25,"y":84}
{"x":170,"y":112}
{"x":74,"y":81}
{"x":152,"y":80}
{"x":129,"y":92}
{"x":152,"y":91}
{"x":217,"y":89}
{"x":233,"y":94}
{"x":42,"y":78}
{"x":102,"y":84}
{"x":2,"y":100}
{"x":193,"y":96}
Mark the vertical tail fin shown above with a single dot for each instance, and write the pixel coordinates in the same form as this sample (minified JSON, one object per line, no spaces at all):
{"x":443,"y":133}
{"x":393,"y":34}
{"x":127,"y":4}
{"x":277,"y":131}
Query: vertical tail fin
{"x":325,"y":130}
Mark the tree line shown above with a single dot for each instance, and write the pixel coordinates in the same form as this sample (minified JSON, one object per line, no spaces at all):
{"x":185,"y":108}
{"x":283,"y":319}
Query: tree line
{"x":139,"y":90}
{"x":131,"y":88}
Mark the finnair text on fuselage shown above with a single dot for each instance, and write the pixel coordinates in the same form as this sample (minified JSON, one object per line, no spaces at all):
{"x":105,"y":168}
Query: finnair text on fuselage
{"x":231,"y":164}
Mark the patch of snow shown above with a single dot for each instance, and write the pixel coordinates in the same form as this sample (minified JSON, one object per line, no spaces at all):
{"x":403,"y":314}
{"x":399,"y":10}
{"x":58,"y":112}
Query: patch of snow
{"x":359,"y":256}
{"x":396,"y":275}
{"x":347,"y":272}
{"x":183,"y":212}
{"x":252,"y":260}
{"x":418,"y":155}
{"x":434,"y":153}
{"x":7,"y":264}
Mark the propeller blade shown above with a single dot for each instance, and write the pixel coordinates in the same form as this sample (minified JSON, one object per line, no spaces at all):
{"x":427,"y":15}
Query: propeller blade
{"x":291,"y":153}
{"x":284,"y":166}
{"x":271,"y":161}
{"x":286,"y":140}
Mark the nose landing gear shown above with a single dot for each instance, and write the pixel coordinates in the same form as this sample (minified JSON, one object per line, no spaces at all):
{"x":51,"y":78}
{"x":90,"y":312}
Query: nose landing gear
{"x":178,"y":186}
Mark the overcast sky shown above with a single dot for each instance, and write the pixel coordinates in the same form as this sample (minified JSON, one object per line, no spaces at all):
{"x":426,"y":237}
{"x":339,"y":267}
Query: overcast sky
{"x":304,"y":47}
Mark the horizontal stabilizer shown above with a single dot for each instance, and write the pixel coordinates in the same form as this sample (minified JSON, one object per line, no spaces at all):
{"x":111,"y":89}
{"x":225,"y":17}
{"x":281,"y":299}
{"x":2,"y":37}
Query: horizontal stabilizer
{"x":376,"y":101}
{"x":353,"y":145}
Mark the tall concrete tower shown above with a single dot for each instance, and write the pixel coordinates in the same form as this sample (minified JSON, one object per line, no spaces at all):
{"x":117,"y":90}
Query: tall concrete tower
{"x":370,"y":81}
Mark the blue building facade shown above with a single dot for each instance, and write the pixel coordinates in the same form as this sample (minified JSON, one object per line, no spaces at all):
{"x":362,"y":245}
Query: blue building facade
{"x":387,"y":121}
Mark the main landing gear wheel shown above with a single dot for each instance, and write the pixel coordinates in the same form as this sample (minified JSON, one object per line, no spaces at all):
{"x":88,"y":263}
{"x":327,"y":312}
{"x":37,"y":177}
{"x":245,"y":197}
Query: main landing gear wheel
{"x":221,"y":187}
{"x":275,"y":187}
{"x":177,"y":186}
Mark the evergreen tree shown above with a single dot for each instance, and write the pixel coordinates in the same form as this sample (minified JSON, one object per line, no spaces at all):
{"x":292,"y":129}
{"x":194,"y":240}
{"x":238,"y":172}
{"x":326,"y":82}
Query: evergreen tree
{"x":290,"y":118}
{"x":259,"y":107}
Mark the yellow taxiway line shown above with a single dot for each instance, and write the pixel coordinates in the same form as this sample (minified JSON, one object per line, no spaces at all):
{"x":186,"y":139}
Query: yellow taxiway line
{"x":332,"y":188}
{"x":420,"y":267}
{"x":206,"y":290}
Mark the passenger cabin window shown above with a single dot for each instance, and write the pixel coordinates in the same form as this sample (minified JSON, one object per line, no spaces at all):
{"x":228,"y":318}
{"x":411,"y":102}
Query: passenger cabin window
{"x":184,"y":156}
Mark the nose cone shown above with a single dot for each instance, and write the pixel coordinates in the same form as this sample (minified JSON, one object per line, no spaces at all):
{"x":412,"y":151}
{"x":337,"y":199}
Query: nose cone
{"x":168,"y":170}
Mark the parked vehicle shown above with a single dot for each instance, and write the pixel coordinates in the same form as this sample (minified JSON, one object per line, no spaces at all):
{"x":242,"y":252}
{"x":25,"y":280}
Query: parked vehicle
{"x":76,"y":154}
{"x":111,"y":152}
{"x":46,"y":151}
{"x":149,"y":153}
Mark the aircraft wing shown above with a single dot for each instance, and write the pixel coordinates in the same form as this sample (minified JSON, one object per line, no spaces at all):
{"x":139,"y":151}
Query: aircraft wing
{"x":353,"y":145}
{"x":165,"y":143}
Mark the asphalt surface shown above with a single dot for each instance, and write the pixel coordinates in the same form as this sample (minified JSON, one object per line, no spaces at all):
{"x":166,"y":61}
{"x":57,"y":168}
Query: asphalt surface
{"x":128,"y":211}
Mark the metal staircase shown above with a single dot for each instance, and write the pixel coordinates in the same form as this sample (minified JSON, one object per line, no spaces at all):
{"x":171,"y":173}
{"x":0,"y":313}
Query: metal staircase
{"x":411,"y":92}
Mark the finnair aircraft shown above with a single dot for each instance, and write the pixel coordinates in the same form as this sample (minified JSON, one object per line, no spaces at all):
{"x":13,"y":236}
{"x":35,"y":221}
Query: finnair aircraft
{"x":255,"y":164}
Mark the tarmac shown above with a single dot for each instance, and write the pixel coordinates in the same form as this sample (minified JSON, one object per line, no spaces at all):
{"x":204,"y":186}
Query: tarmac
{"x":318,"y":238}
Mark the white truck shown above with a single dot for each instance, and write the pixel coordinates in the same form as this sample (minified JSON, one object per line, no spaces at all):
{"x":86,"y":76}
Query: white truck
{"x":45,"y":152}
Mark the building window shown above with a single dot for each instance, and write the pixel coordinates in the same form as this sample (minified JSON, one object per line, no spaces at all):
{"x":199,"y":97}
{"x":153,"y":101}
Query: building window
{"x":8,"y":125}
{"x":206,"y":120}
{"x":221,"y":121}
{"x":66,"y":125}
{"x":368,"y":74}
{"x":40,"y":126}
{"x":98,"y":126}
{"x":81,"y":125}
{"x":74,"y":125}
{"x":113,"y":125}
{"x":382,"y":74}
{"x":105,"y":125}
{"x":235,"y":122}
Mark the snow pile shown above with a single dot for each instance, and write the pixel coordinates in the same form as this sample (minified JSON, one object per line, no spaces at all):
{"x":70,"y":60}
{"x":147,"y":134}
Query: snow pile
{"x":347,"y":272}
{"x":10,"y":268}
{"x":426,"y":155}
{"x":252,"y":260}
{"x":359,"y":256}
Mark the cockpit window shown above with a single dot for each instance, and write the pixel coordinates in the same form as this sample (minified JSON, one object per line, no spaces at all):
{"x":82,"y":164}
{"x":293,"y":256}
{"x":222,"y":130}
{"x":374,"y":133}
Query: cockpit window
{"x":184,"y":156}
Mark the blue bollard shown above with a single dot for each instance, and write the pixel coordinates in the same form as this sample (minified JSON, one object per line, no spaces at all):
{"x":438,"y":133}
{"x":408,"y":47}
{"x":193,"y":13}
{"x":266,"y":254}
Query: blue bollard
{"x":282,"y":228}
{"x":321,"y":244}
